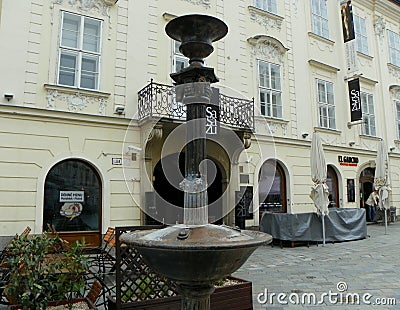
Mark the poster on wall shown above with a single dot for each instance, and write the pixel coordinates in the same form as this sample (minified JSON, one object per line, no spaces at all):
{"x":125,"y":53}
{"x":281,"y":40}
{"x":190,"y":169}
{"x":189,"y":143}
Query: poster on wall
{"x":351,"y":194}
{"x":72,"y":196}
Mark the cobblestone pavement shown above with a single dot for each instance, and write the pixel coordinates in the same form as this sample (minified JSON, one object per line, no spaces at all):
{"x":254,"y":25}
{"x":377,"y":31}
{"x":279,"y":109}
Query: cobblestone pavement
{"x":368,"y":266}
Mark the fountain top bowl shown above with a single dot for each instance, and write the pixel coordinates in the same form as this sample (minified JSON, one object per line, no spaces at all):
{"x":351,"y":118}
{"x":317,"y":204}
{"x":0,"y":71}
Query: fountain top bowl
{"x":196,"y":254}
{"x":196,"y":33}
{"x":196,"y":237}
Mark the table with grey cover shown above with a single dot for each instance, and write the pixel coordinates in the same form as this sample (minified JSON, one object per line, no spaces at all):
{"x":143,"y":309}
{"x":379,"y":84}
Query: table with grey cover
{"x":341,"y":224}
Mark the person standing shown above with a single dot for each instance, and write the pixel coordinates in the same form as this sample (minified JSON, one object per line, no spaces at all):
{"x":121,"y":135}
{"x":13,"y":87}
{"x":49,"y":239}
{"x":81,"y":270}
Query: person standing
{"x":371,"y":204}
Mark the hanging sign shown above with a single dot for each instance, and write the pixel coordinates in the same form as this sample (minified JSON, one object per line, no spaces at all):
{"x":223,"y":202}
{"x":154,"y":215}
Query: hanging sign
{"x":346,"y":11}
{"x":355,"y":100}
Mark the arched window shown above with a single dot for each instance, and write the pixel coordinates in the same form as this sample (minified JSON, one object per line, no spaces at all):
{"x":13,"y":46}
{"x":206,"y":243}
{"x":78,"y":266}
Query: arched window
{"x":332,"y":182}
{"x":272,"y":187}
{"x":72,"y":200}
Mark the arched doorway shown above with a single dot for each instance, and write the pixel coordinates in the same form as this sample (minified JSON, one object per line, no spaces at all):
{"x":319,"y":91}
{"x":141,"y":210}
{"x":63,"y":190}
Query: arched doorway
{"x":72,"y":201}
{"x":333,"y":186}
{"x":272,"y":187}
{"x":366,"y":184}
{"x":166,"y":202}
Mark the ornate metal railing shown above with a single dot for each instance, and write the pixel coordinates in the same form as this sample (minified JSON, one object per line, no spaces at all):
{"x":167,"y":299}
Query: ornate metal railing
{"x":159,"y":101}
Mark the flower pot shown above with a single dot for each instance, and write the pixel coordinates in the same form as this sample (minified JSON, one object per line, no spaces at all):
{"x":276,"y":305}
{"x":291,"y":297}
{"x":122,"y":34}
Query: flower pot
{"x":237,"y":296}
{"x":57,"y":304}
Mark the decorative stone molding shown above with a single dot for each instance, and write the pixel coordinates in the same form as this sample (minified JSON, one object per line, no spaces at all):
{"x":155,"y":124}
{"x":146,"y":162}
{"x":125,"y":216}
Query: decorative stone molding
{"x":323,"y":44}
{"x":246,"y":140}
{"x":205,"y":3}
{"x":87,"y":6}
{"x":394,"y":71}
{"x":395,"y":92}
{"x":379,"y":26}
{"x":155,"y":134}
{"x":75,"y":100}
{"x":268,"y":48}
{"x":266,"y":19}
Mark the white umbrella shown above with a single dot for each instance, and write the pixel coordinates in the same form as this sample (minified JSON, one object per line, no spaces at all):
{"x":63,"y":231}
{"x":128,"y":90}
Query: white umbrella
{"x":382,"y":181}
{"x":319,"y":191}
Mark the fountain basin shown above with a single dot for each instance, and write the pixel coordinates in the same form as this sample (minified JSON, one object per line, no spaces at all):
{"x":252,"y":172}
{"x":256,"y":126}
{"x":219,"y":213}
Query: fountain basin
{"x":196,"y":254}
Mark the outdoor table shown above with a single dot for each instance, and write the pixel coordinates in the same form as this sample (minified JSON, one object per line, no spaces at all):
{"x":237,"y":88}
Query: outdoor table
{"x":341,"y":224}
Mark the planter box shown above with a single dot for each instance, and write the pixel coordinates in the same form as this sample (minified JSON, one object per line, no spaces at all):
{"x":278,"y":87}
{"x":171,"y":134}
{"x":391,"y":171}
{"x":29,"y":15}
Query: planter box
{"x":60,"y":303}
{"x":231,"y":297}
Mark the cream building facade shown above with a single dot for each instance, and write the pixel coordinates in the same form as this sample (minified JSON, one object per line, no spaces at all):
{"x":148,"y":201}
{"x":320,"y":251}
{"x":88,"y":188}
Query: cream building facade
{"x":86,"y":108}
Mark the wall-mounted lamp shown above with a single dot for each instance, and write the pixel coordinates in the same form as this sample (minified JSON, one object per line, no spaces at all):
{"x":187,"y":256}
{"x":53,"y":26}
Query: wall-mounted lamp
{"x":304,"y":135}
{"x":249,"y":159}
{"x":119,"y":110}
{"x":8,"y":96}
{"x":351,"y":143}
{"x":392,"y":148}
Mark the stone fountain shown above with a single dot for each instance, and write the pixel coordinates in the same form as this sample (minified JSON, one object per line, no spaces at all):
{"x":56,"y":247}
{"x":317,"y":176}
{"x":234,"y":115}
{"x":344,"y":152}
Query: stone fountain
{"x":195,"y":254}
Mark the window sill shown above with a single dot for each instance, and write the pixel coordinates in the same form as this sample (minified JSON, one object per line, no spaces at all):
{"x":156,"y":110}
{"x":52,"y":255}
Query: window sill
{"x":327,"y":130}
{"x":266,"y":13}
{"x":322,"y":39}
{"x":271,"y":119}
{"x":374,"y":138}
{"x":75,"y":90}
{"x":366,"y":56}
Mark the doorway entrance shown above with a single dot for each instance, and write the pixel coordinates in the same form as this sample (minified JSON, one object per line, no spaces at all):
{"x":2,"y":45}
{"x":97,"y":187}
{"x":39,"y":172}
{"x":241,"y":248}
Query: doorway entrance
{"x":165,"y":205}
{"x":366,"y":184}
{"x":72,"y":201}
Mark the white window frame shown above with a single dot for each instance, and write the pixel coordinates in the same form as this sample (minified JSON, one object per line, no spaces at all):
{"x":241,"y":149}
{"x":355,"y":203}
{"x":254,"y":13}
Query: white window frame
{"x":178,"y":56}
{"x":368,"y":114}
{"x":267,"y":106}
{"x":267,"y":5}
{"x":394,"y":47}
{"x":397,"y":103}
{"x":360,"y":30}
{"x":80,"y":52}
{"x":319,"y":16}
{"x":326,"y":105}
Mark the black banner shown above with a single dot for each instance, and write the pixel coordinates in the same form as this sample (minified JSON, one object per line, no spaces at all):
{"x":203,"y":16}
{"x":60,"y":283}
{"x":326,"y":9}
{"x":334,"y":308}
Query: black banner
{"x":355,"y":100}
{"x":212,"y":113}
{"x":347,"y":21}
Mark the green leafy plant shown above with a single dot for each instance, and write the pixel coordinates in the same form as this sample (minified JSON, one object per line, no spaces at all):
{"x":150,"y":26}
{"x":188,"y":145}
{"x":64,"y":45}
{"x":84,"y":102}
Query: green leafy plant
{"x":41,"y":272}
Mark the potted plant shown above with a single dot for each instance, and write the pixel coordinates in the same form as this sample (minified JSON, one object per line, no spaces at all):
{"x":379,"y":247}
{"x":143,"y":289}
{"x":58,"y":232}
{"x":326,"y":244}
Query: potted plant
{"x":42,"y":270}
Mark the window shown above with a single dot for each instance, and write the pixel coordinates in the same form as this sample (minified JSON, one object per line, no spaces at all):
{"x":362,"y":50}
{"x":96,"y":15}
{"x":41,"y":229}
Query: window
{"x":180,"y":61}
{"x":272,"y":187}
{"x":367,"y":102}
{"x":333,"y":187}
{"x":270,"y":89}
{"x":398,"y":118}
{"x":326,"y":105}
{"x":79,"y":59}
{"x":361,"y":34}
{"x":394,"y":48}
{"x":266,"y":5}
{"x":319,"y":18}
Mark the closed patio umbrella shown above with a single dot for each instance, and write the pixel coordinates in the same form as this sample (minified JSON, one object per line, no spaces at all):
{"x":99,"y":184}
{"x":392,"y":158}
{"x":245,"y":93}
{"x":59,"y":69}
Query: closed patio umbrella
{"x":382,"y":181}
{"x":319,"y":191}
